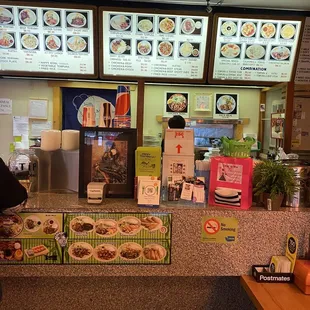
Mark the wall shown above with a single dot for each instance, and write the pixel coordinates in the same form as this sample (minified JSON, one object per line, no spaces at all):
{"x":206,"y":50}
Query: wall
{"x":155,"y":98}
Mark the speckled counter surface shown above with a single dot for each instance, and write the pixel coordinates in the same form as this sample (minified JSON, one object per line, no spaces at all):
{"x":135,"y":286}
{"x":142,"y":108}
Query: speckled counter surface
{"x":261,"y":234}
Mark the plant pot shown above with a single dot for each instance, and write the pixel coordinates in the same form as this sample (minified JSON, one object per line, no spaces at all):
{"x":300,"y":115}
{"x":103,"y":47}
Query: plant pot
{"x":276,"y":202}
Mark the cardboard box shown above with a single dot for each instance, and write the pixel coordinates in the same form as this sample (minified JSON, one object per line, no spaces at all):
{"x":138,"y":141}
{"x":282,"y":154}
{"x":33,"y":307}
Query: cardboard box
{"x":179,"y":142}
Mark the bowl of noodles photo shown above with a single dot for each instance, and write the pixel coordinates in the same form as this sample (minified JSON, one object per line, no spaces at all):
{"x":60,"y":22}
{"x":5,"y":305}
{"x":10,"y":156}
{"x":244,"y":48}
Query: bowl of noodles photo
{"x":226,"y":104}
{"x":177,"y":103}
{"x":29,"y":41}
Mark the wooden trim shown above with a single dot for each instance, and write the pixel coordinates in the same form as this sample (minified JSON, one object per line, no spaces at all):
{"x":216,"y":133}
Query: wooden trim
{"x":157,"y":12}
{"x":140,"y":112}
{"x":211,"y":80}
{"x":289,"y":114}
{"x":57,"y":108}
{"x":59,"y":6}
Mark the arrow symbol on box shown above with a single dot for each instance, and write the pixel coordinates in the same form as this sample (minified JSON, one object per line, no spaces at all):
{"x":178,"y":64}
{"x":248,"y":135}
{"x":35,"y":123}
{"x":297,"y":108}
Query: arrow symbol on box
{"x":179,"y":148}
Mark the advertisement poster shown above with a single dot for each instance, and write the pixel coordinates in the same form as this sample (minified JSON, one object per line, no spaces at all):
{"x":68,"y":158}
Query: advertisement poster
{"x":176,"y":103}
{"x":151,"y":45}
{"x":255,"y":49}
{"x":226,"y":106}
{"x":219,"y":230}
{"x":47,"y":40}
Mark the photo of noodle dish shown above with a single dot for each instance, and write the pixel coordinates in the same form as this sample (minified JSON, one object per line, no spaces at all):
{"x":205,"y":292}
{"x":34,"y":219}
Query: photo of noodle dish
{"x":76,"y":20}
{"x":230,"y":50}
{"x":151,"y":223}
{"x":10,"y":226}
{"x":82,"y":224}
{"x":268,"y":31}
{"x":80,"y":251}
{"x":118,"y":46}
{"x":188,"y":26}
{"x":165,"y":48}
{"x":120,"y":22}
{"x":32,"y":223}
{"x":154,"y":252}
{"x":166,"y":25}
{"x":106,"y":228}
{"x":288,"y":31}
{"x":229,"y":28}
{"x":130,"y":251}
{"x":53,"y":43}
{"x":6,"y":40}
{"x":186,"y":49}
{"x":105,"y":253}
{"x":76,"y":44}
{"x":129,"y":225}
{"x":177,"y":103}
{"x":29,"y":41}
{"x":145,"y":25}
{"x":27,"y":17}
{"x":280,"y":53}
{"x":51,"y":18}
{"x":226,"y":104}
{"x":248,"y":29}
{"x":144,"y":48}
{"x":255,"y":51}
{"x":6,"y":17}
{"x":50,"y":227}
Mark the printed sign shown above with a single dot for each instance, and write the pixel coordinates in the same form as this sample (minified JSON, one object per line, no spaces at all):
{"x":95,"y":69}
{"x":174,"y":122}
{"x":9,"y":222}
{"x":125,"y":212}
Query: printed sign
{"x":230,"y":173}
{"x":219,"y":229}
{"x":291,"y":249}
{"x":179,"y":142}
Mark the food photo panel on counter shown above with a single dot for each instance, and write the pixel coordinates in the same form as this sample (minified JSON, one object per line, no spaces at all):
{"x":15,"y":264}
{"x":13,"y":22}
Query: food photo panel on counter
{"x":37,"y":40}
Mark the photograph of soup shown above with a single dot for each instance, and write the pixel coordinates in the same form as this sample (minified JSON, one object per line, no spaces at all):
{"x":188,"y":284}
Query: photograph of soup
{"x":229,"y":28}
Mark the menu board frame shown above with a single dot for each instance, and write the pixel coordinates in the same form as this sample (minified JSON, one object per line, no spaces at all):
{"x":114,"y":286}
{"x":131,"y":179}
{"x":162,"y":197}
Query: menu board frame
{"x":154,"y":12}
{"x":212,"y":80}
{"x":77,"y":6}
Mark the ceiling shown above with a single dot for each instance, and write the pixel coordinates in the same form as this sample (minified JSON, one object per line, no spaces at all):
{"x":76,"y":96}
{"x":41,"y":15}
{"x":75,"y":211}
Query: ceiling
{"x":274,"y":4}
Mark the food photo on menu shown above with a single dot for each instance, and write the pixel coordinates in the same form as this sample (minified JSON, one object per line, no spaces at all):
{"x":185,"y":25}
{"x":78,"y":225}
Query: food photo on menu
{"x":288,"y":31}
{"x":230,"y":50}
{"x":77,"y":44}
{"x":280,"y":53}
{"x":144,"y":48}
{"x":76,"y":19}
{"x":145,"y":24}
{"x":165,"y":48}
{"x":51,"y":18}
{"x":189,"y":49}
{"x":248,"y":29}
{"x":255,"y":52}
{"x":29,"y":41}
{"x":53,"y":42}
{"x":120,"y":22}
{"x":27,"y":17}
{"x":229,"y":28}
{"x":191,"y":26}
{"x":6,"y":16}
{"x":7,"y":40}
{"x":268,"y":30}
{"x":167,"y":24}
{"x":120,"y":46}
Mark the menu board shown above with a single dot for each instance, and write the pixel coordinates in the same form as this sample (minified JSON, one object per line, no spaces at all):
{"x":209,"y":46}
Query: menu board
{"x":261,"y":50}
{"x":47,"y":40}
{"x":157,"y":46}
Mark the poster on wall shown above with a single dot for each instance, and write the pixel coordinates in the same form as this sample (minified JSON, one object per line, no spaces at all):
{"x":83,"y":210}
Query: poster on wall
{"x":277,"y":125}
{"x":203,"y":102}
{"x":176,"y":103}
{"x":250,"y":50}
{"x":226,"y":106}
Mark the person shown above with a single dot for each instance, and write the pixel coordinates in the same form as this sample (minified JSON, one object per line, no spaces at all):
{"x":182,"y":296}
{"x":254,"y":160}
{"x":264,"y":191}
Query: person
{"x":175,"y":122}
{"x":13,"y":195}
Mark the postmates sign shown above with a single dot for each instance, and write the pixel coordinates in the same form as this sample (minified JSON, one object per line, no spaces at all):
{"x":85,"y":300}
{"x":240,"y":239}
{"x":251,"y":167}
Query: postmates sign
{"x":219,"y":229}
{"x":179,"y":142}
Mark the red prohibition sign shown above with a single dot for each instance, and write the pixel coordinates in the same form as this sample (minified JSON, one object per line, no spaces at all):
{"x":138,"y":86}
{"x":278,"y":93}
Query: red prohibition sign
{"x":212,"y":226}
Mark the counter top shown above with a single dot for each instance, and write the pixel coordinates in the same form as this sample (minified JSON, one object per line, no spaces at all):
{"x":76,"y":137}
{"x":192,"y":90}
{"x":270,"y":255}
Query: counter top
{"x":261,"y":234}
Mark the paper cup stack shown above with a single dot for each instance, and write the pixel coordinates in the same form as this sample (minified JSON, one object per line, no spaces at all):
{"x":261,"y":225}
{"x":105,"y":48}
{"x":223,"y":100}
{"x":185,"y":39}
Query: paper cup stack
{"x":70,"y":140}
{"x":50,"y":140}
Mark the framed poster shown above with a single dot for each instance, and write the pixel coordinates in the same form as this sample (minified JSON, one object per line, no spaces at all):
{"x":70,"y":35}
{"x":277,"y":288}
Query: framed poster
{"x":48,"y":40}
{"x":38,"y":108}
{"x":108,"y":155}
{"x":155,"y":46}
{"x":277,"y":125}
{"x":176,"y":103}
{"x":203,"y":102}
{"x":226,"y":106}
{"x":254,"y":50}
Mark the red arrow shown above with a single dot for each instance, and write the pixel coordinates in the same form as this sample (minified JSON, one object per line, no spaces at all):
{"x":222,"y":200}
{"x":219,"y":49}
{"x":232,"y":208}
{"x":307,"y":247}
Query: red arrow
{"x":179,"y":148}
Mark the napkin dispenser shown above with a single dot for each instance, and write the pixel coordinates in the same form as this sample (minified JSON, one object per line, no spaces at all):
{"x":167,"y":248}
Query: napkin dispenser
{"x":95,"y":192}
{"x":302,"y":275}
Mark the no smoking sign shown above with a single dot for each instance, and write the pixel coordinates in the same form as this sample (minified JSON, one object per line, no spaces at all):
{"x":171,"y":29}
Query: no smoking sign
{"x":212,"y":226}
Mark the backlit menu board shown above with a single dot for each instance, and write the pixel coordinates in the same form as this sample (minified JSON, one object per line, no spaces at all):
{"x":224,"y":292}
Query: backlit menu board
{"x":47,"y":40}
{"x":157,"y":46}
{"x":261,"y":50}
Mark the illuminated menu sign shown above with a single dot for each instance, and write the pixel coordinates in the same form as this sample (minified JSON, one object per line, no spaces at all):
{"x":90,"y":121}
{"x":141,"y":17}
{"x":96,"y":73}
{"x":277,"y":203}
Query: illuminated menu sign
{"x":158,"y":46}
{"x":46,"y":40}
{"x":255,"y":49}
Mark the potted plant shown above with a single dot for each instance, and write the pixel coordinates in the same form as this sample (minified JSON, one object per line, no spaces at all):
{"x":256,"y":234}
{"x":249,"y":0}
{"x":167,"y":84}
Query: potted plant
{"x":274,"y":180}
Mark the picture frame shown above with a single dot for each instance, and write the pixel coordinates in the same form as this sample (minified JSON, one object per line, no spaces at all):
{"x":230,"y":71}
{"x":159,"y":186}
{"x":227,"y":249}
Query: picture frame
{"x":226,"y":106}
{"x":203,"y":102}
{"x":38,"y":108}
{"x":108,"y":155}
{"x":277,"y":125}
{"x":176,"y":103}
